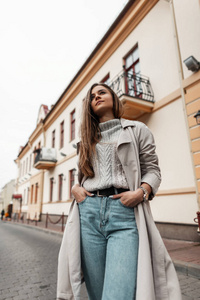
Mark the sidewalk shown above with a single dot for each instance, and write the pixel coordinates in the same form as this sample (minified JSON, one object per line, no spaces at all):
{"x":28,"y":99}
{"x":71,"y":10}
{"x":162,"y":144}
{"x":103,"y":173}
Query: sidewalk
{"x":185,"y":255}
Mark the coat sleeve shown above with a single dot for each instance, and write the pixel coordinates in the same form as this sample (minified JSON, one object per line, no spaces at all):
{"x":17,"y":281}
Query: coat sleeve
{"x":150,"y":171}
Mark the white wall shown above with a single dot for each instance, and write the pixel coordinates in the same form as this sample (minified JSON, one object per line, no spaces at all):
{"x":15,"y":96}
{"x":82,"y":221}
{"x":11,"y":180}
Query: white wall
{"x":187,"y":14}
{"x":175,"y":209}
{"x":169,"y":129}
{"x":56,"y":208}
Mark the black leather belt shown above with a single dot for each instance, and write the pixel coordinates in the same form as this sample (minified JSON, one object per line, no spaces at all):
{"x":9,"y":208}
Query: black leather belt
{"x":108,"y":192}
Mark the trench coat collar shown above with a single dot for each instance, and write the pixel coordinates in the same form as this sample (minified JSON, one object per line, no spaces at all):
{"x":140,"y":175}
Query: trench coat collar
{"x":125,"y":137}
{"x":126,"y":123}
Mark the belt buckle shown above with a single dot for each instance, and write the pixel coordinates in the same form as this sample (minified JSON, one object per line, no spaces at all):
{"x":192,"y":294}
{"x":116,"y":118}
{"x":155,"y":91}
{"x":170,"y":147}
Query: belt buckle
{"x":115,"y":192}
{"x":99,"y":194}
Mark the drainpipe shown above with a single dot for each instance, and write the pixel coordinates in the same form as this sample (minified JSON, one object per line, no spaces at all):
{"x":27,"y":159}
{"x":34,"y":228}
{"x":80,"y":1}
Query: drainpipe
{"x":181,"y":77}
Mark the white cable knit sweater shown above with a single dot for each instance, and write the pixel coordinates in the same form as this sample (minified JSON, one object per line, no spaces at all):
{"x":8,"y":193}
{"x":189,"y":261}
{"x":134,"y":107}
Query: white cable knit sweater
{"x":107,"y":167}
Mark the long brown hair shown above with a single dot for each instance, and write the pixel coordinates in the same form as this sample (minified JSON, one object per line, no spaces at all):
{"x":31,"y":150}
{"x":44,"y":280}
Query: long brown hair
{"x":89,"y":130}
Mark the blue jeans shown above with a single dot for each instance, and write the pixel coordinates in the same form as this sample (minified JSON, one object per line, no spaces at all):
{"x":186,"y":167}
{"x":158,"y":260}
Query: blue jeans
{"x":109,"y":248}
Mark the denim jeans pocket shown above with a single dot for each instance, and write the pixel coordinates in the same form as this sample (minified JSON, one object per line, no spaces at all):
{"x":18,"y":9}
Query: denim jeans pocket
{"x":79,"y":203}
{"x":124,"y":204}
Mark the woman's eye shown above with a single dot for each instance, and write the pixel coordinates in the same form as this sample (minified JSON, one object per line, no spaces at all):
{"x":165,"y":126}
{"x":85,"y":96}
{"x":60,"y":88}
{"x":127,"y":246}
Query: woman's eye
{"x":102,"y":92}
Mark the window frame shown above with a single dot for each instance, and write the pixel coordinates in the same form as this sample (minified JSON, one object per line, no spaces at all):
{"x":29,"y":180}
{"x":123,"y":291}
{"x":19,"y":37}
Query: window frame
{"x":35,"y":153}
{"x":26,"y":165}
{"x":28,"y":195}
{"x":131,"y":67}
{"x":51,"y":189}
{"x":72,"y":125}
{"x":30,"y":159}
{"x":62,"y":131}
{"x":53,"y":138}
{"x":104,"y":80}
{"x":32,"y":193}
{"x":36,"y":192}
{"x":24,"y":199}
{"x":23,"y":168}
{"x":60,"y":187}
{"x":71,"y":181}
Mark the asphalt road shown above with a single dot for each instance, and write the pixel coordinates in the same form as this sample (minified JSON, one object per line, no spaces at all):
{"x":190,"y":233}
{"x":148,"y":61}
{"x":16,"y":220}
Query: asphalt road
{"x":28,"y":265}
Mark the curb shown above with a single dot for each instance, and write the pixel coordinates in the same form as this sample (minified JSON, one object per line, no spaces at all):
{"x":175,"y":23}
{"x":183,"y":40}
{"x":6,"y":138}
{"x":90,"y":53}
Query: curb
{"x":48,"y":231}
{"x":187,"y":268}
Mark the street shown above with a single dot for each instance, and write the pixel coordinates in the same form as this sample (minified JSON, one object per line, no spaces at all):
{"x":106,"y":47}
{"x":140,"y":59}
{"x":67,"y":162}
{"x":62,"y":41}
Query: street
{"x":28,"y":265}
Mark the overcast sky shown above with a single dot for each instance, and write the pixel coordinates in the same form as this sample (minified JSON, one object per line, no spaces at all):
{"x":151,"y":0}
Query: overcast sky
{"x":43,"y":43}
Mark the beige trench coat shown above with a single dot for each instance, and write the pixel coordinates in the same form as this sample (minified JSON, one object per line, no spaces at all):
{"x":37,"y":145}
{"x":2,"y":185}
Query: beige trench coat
{"x":156,"y":276}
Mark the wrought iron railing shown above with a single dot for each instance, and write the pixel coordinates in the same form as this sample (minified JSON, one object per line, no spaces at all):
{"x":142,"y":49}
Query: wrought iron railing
{"x":134,"y":85}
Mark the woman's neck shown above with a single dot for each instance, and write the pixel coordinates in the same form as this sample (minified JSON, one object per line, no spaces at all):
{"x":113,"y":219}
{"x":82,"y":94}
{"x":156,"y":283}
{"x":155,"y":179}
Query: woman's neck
{"x":106,"y":118}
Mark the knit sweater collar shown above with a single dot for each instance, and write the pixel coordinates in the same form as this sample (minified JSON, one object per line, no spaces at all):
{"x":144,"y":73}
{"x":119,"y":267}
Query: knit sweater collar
{"x":110,"y":130}
{"x":106,"y":126}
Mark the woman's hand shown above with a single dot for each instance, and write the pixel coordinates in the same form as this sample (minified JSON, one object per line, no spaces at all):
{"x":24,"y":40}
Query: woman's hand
{"x":130,"y":198}
{"x":133,"y":198}
{"x":80,"y":193}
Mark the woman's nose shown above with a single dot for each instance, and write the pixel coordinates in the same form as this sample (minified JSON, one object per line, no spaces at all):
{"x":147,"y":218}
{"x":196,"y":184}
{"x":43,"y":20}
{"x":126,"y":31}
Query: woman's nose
{"x":97,"y":97}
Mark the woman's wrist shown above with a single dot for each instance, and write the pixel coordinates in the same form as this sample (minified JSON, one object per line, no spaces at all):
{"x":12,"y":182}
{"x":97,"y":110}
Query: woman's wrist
{"x":146,"y":188}
{"x":75,"y":186}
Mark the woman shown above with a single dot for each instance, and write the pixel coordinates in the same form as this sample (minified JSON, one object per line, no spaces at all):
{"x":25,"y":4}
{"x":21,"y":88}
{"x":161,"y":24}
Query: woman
{"x":118,"y":174}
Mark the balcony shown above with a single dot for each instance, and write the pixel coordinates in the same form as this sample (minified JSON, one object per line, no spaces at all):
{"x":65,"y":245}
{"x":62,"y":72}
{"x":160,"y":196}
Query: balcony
{"x":135,"y":92}
{"x":45,"y":158}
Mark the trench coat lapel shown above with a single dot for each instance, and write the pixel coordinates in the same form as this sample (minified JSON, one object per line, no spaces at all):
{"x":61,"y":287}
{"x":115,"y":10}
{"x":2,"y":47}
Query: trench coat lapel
{"x":126,"y":146}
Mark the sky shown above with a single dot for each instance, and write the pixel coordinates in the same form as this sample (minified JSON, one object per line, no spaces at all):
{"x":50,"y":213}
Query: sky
{"x":43,"y":44}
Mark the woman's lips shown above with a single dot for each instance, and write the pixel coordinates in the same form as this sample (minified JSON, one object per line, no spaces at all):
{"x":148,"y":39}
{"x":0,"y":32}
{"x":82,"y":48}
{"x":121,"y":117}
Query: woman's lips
{"x":99,"y":102}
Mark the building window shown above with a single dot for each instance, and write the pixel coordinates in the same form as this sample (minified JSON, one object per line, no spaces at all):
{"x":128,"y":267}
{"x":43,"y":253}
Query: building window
{"x":106,"y":79}
{"x":51,"y":190}
{"x":36,"y":192}
{"x":71,"y":181}
{"x":132,"y":69}
{"x":73,"y":121}
{"x":27,"y":198}
{"x":32,"y":191}
{"x":26,"y":165}
{"x":62,"y":134}
{"x":35,"y":153}
{"x":30,"y":162}
{"x":20,"y":170}
{"x":24,"y":200}
{"x":60,"y":186}
{"x":53,"y":138}
{"x":23,"y":167}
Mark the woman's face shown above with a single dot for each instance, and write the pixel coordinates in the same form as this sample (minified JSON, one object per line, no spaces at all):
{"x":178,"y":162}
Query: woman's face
{"x":102,"y":102}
